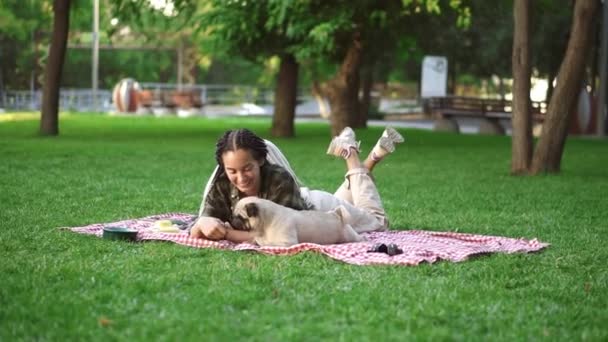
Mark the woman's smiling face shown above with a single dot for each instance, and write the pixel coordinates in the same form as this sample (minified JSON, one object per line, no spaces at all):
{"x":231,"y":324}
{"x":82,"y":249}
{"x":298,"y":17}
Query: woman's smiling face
{"x":243,"y":171}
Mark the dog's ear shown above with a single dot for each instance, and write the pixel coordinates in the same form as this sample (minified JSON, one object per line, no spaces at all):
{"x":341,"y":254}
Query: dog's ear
{"x":252,"y":210}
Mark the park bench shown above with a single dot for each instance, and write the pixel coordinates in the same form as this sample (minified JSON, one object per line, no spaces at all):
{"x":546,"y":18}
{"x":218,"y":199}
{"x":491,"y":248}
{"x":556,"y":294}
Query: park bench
{"x":445,"y":110}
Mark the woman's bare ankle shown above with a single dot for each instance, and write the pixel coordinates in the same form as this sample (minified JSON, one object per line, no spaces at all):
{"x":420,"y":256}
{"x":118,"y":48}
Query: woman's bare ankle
{"x":369,"y":163}
{"x":353,"y":161}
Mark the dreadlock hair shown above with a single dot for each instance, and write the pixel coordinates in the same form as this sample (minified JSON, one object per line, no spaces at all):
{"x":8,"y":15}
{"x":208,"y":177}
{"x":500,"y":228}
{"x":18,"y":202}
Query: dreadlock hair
{"x":240,"y":139}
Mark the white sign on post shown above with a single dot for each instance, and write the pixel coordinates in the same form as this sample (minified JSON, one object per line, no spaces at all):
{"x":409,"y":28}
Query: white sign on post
{"x":434,"y":76}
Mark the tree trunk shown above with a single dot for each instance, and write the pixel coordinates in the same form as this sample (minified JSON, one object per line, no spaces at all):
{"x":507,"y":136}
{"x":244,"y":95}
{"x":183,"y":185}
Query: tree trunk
{"x":49,"y":120}
{"x":366,"y":97}
{"x":1,"y":81}
{"x":285,"y":97}
{"x":343,"y":89}
{"x":521,"y":141}
{"x":550,"y":87}
{"x":501,"y":88}
{"x":319,"y":95}
{"x":452,"y":79}
{"x":594,"y":75}
{"x":548,"y":152}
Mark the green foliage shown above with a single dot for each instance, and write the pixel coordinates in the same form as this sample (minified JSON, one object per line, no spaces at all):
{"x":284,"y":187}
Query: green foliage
{"x":406,"y":61}
{"x":549,"y":19}
{"x":114,"y":65}
{"x":143,"y":17}
{"x":464,"y":13}
{"x":237,"y":70}
{"x":475,"y":35}
{"x":312,"y":30}
{"x":481,"y":43}
{"x":14,"y":27}
{"x":21,"y":18}
{"x":252,"y":29}
{"x":23,"y":27}
{"x":59,"y":285}
{"x":396,"y":48}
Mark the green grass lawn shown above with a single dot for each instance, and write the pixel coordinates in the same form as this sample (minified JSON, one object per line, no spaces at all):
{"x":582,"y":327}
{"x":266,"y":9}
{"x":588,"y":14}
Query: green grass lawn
{"x":58,"y":285}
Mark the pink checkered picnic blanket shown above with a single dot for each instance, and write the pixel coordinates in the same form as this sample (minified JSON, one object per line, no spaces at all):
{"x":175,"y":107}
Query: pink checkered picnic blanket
{"x":417,"y":245}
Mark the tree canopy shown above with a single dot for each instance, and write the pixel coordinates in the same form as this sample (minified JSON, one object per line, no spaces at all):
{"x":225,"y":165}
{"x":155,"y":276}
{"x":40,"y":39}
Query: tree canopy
{"x":314,"y":31}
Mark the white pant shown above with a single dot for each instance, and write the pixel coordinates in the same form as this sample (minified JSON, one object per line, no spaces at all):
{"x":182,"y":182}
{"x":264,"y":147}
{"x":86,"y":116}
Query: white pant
{"x":359,"y":195}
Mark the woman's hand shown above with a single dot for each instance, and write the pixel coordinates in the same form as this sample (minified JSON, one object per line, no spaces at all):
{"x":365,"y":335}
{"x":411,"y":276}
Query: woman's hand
{"x":208,"y":228}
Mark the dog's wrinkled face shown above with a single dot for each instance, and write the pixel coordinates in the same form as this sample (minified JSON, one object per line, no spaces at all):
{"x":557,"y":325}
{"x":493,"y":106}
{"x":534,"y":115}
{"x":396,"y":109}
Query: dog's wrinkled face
{"x":246,"y":216}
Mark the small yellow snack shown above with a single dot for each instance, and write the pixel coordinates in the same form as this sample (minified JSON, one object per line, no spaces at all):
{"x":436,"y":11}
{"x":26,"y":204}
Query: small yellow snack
{"x":166,"y":226}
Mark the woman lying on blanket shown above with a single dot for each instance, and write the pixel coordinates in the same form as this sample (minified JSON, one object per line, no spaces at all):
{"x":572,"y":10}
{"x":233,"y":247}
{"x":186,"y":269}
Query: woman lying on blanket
{"x":251,"y":166}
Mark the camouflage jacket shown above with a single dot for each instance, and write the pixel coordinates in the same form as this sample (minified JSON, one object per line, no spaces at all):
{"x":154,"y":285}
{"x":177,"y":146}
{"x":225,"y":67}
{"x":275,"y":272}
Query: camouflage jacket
{"x":277,"y":185}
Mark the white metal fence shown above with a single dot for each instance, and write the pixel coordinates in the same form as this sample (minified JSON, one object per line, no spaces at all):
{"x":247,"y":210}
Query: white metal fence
{"x":78,"y":100}
{"x":83,"y":100}
{"x":223,"y":94}
{"x":216,"y":99}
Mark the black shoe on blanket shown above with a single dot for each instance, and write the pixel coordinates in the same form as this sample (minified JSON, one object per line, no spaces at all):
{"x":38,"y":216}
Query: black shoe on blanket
{"x":390,"y":249}
{"x":393,"y":249}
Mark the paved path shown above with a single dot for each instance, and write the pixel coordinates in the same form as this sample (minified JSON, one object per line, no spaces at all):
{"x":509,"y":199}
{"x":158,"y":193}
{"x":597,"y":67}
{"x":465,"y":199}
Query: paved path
{"x":467,"y":126}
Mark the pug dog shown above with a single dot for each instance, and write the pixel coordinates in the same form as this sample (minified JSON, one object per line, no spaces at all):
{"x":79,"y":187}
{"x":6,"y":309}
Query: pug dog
{"x":276,"y":225}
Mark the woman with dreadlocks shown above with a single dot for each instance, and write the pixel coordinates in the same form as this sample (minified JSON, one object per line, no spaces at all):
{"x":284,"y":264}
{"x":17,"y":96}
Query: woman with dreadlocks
{"x":248,"y":165}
